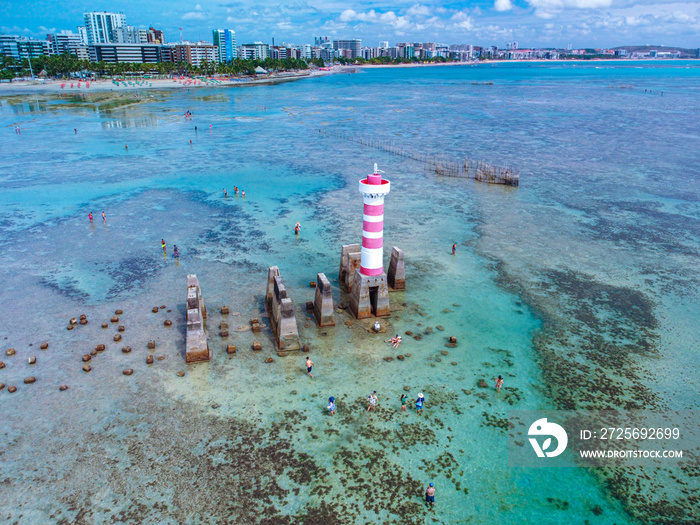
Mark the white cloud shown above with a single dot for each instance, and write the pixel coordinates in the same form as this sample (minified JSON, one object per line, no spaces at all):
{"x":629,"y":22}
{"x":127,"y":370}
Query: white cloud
{"x":194,"y":15}
{"x":389,"y":17}
{"x":503,"y":5}
{"x":349,"y":15}
{"x":418,"y":10}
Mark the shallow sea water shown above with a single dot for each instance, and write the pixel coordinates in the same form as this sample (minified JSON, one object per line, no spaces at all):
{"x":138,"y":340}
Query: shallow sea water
{"x":588,"y":271}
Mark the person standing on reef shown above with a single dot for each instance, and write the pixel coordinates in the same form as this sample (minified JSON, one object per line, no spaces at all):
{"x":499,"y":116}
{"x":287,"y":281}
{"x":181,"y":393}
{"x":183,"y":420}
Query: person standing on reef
{"x":419,"y":404}
{"x":430,"y":496}
{"x":162,"y":244}
{"x":90,"y":216}
{"x":309,"y":366}
{"x":454,"y":249}
{"x":331,"y":405}
{"x":176,"y":252}
{"x":243,"y":193}
{"x":225,"y":194}
{"x":499,"y":383}
{"x":372,"y":399}
{"x":404,"y":398}
{"x":104,"y":217}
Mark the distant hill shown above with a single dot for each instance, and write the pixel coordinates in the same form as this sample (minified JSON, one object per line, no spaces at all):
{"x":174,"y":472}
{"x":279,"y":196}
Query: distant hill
{"x":645,"y":49}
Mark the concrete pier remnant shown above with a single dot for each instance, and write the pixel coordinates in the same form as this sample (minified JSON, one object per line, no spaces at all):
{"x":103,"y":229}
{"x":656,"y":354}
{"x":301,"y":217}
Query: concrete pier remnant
{"x":354,"y":262}
{"x":323,"y":302}
{"x":197,"y":348}
{"x":281,"y":311}
{"x":396,"y":276}
{"x":345,"y":252}
{"x":370,"y":291}
{"x":369,"y":296}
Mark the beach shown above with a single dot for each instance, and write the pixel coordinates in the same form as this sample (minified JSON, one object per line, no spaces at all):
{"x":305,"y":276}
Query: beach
{"x":19,"y":87}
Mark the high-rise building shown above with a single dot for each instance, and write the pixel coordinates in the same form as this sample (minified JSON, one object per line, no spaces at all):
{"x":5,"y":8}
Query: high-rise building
{"x":354,"y":46}
{"x":254,"y":51}
{"x":83,"y":35}
{"x":155,"y":36}
{"x":104,"y":28}
{"x":115,"y":53}
{"x":63,"y":42}
{"x":20,"y":48}
{"x":225,"y":41}
{"x":384,"y":44}
{"x":320,"y":40}
{"x":194,"y":53}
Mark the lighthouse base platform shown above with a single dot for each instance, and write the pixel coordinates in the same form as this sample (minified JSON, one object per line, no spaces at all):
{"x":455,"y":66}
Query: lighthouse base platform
{"x":369,"y":296}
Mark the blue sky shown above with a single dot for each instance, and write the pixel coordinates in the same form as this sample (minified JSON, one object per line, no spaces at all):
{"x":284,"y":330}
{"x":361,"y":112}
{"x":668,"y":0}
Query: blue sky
{"x":546,"y":23}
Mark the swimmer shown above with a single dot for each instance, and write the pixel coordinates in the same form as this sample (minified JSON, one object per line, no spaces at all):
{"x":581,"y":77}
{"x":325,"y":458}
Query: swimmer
{"x":404,"y":400}
{"x":419,"y":404}
{"x":104,"y":217}
{"x":499,"y":383}
{"x":454,"y":249}
{"x":395,"y":341}
{"x":331,"y":405}
{"x":126,"y":147}
{"x":309,"y":366}
{"x":76,"y":130}
{"x":162,"y":243}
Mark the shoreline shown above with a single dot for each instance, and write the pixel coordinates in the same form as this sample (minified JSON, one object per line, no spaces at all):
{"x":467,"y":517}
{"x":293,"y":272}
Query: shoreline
{"x":536,"y":60}
{"x":53,"y":87}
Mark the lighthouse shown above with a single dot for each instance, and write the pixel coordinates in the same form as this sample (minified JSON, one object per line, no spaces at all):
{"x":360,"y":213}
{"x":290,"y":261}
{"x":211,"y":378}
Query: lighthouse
{"x":373,"y":190}
{"x":369,"y":294}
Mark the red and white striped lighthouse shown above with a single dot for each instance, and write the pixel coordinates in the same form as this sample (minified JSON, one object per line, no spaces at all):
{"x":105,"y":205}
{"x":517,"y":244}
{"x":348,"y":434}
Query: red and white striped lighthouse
{"x":373,"y":190}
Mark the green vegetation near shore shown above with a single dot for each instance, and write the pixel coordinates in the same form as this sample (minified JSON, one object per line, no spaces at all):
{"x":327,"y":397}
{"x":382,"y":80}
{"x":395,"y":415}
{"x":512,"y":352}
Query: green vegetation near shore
{"x":67,"y":66}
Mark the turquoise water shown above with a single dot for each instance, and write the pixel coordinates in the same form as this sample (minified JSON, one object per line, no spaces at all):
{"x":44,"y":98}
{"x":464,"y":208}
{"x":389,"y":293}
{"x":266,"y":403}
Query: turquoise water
{"x":579,"y":287}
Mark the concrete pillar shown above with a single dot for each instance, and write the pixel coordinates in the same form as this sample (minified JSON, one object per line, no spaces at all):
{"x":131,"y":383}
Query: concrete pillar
{"x":323,"y":302}
{"x":369,"y":296}
{"x":354,"y":261}
{"x":281,"y":311}
{"x":287,"y":332}
{"x":272,"y":272}
{"x":196,"y":346}
{"x":396,"y":277}
{"x":345,"y":251}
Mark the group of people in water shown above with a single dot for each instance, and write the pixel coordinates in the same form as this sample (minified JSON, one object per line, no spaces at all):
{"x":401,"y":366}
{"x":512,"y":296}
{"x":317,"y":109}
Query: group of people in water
{"x":176,"y":252}
{"x":104,"y":217}
{"x":235,"y":192}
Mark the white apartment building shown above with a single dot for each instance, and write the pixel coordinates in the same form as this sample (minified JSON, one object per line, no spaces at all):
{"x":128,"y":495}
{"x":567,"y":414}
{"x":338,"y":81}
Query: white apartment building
{"x":104,"y":28}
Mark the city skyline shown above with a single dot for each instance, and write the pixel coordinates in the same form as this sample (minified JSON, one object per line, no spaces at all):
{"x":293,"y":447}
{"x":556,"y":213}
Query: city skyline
{"x":541,"y":23}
